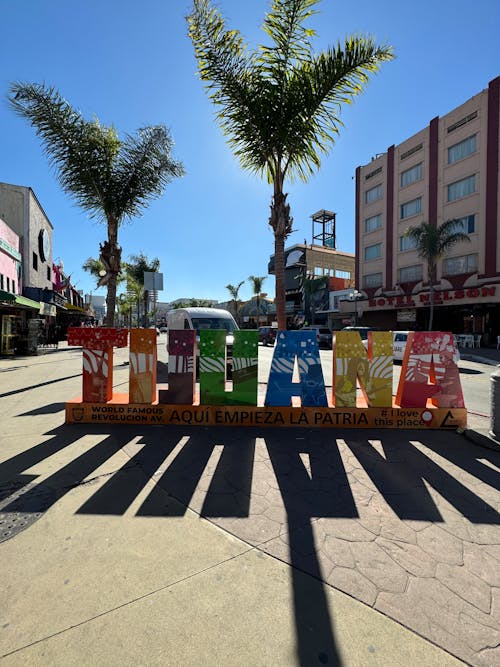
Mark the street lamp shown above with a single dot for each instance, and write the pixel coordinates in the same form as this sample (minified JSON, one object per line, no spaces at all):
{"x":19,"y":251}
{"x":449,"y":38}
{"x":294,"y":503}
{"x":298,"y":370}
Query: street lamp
{"x":356,"y":296}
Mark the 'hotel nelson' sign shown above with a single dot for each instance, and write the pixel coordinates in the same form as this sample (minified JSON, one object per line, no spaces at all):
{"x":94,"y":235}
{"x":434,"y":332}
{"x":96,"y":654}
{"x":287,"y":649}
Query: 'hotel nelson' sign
{"x":442,"y":297}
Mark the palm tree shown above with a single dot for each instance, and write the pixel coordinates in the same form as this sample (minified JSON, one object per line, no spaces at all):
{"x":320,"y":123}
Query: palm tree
{"x":310,"y":285}
{"x":279,"y":105}
{"x":432,"y":243}
{"x":135,"y":294}
{"x":137,"y":266}
{"x":257,"y":282}
{"x":110,"y":178}
{"x":234,"y":292}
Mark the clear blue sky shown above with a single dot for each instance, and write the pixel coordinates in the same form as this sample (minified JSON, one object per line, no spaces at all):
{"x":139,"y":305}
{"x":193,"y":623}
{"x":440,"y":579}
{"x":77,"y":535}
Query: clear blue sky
{"x":131,"y":64}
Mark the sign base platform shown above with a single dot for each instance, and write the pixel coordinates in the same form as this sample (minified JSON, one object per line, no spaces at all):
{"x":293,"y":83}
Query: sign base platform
{"x":119,"y":411}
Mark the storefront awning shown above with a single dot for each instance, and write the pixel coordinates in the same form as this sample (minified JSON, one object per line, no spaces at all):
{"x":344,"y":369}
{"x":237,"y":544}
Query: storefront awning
{"x":16,"y":300}
{"x":77,"y":309}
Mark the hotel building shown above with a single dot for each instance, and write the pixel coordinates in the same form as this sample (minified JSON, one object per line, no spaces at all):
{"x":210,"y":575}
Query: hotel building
{"x":448,"y":170}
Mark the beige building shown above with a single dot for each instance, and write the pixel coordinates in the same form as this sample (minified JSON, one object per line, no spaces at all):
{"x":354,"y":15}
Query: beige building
{"x":333,"y":269}
{"x":450,"y":169}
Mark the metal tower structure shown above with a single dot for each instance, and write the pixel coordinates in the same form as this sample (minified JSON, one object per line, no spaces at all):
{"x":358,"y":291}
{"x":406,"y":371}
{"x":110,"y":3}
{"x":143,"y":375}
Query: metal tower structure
{"x":326,"y":237}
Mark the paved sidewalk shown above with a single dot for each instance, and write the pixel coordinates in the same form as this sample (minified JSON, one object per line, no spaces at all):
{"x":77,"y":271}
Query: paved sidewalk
{"x":194,"y":546}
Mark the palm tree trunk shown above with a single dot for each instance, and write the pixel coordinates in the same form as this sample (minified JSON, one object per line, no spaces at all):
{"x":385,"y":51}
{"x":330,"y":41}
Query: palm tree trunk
{"x":279,"y":272}
{"x":432,"y":274}
{"x":111,"y":258}
{"x":281,"y":222}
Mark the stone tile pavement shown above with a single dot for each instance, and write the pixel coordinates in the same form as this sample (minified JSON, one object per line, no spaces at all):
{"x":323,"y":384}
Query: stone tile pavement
{"x":408,"y":523}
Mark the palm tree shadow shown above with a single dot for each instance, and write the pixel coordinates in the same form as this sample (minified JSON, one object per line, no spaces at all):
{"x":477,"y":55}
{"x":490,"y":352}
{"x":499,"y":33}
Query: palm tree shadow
{"x":323,"y":491}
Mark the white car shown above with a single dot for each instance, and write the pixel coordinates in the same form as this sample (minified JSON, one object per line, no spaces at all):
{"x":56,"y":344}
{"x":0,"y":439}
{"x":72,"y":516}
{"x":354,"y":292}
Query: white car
{"x":399,"y":345}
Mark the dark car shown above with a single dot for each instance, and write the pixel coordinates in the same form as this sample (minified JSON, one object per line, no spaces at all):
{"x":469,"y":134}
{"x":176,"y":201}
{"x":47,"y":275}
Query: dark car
{"x":363,"y":332}
{"x":267,"y":335}
{"x":324,"y":335}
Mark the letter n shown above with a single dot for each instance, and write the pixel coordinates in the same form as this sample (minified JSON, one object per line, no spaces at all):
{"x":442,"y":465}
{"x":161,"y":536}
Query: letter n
{"x":372,"y":367}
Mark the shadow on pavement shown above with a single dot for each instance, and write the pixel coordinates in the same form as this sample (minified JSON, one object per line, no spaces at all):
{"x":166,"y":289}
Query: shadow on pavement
{"x":305,"y":470}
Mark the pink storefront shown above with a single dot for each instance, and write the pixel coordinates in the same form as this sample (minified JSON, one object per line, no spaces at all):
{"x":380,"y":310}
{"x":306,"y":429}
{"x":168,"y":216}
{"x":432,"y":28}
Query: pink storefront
{"x":10,"y":260}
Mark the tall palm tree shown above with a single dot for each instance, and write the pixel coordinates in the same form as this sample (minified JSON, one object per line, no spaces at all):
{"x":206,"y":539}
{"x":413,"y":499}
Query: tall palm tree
{"x":137,"y":266}
{"x":234,"y":291}
{"x":432,"y":243}
{"x":279,"y":104}
{"x":110,"y":178}
{"x":257,"y":282}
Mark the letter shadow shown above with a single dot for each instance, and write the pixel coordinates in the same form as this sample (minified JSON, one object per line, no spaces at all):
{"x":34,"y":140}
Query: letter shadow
{"x":400,"y":477}
{"x":228,"y":494}
{"x":324,"y":492}
{"x":43,"y":495}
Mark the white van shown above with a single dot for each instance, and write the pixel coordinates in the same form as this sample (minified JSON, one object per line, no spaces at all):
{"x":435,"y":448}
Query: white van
{"x":204,"y":318}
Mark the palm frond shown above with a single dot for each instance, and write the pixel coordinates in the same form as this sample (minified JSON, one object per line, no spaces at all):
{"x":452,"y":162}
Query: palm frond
{"x":142,"y":170}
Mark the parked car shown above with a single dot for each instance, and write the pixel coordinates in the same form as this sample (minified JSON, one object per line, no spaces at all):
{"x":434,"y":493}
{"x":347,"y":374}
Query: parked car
{"x":163,"y":329}
{"x":323,"y":333}
{"x":399,"y":346}
{"x":267,"y":335}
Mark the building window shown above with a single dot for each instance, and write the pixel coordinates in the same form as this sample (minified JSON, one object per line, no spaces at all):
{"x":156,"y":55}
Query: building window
{"x":462,"y":149}
{"x":413,"y":150}
{"x":1,"y":280}
{"x":466,"y":224}
{"x":410,"y":274}
{"x":373,"y":194}
{"x":13,"y":287}
{"x":407,"y":243}
{"x":373,"y":251}
{"x":8,"y":284}
{"x":413,"y":207}
{"x":411,"y":175}
{"x":49,"y":273}
{"x":373,"y":173}
{"x":35,"y":261}
{"x":373,"y":223}
{"x":458,"y":265}
{"x":372,"y":280}
{"x":343,"y":274}
{"x":462,"y":121}
{"x":462,"y":188}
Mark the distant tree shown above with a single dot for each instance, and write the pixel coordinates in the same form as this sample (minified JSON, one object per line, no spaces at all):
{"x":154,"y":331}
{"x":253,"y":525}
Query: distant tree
{"x":110,"y":178}
{"x":257,"y":282}
{"x":135,"y":294}
{"x":432,"y":242}
{"x":200,"y":303}
{"x":279,"y":104}
{"x":124,"y":305}
{"x":234,"y":291}
{"x":94,"y":267}
{"x":136,"y":267}
{"x":310,"y":285}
